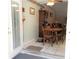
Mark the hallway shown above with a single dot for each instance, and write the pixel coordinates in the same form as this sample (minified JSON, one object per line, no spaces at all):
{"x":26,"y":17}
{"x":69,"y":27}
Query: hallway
{"x":34,"y":17}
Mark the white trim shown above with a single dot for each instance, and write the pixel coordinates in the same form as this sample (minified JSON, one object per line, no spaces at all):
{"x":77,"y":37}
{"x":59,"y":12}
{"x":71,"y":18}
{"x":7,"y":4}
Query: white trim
{"x":16,"y":51}
{"x":27,"y":43}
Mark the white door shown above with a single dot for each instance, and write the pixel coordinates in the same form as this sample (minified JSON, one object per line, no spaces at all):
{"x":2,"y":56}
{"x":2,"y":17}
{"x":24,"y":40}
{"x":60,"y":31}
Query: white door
{"x":16,"y":28}
{"x":16,"y":25}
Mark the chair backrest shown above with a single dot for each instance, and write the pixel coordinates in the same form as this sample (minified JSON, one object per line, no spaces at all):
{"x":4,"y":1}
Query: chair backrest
{"x":46,"y":32}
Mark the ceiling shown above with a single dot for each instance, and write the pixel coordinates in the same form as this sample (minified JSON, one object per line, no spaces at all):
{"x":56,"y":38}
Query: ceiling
{"x":45,"y":1}
{"x":60,"y":8}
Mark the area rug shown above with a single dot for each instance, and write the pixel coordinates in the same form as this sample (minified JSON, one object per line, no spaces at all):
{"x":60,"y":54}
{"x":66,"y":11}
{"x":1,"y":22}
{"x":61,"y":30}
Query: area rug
{"x":33,"y":48}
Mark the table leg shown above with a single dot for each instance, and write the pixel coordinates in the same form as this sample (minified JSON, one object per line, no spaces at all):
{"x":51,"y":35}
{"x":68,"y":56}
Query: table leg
{"x":56,"y":38}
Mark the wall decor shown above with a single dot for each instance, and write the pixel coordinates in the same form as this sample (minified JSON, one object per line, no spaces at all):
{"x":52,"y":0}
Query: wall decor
{"x":23,"y":9}
{"x":32,"y":11}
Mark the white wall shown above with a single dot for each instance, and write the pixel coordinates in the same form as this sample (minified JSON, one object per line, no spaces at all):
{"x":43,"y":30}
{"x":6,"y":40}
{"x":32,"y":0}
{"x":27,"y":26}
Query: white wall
{"x":60,"y":10}
{"x":72,"y":37}
{"x":31,"y":23}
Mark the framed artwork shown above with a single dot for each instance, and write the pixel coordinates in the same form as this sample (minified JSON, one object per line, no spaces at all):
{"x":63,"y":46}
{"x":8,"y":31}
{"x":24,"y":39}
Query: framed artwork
{"x":32,"y":11}
{"x":23,"y":9}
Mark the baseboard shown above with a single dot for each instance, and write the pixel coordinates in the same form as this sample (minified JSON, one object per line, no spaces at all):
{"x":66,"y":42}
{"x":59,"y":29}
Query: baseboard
{"x":27,"y":42}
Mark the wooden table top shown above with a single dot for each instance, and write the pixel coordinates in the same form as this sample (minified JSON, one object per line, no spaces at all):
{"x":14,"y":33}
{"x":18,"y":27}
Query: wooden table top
{"x":54,"y":29}
{"x":57,"y":29}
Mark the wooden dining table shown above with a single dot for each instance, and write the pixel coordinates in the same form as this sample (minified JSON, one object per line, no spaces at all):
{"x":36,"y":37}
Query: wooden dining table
{"x":55,"y":30}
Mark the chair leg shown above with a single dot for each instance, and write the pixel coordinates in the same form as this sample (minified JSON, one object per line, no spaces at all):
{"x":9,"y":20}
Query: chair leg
{"x":56,"y":40}
{"x":51,"y":42}
{"x":62,"y":40}
{"x":44,"y":41}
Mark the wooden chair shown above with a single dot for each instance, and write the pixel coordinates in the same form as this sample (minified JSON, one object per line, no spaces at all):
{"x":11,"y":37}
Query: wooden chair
{"x":60,"y":34}
{"x":53,"y":33}
{"x":47,"y":36}
{"x":63,"y":35}
{"x":55,"y":37}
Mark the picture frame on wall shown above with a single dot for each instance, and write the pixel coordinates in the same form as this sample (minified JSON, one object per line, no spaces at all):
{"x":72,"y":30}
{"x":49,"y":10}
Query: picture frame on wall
{"x":32,"y":11}
{"x":23,"y":9}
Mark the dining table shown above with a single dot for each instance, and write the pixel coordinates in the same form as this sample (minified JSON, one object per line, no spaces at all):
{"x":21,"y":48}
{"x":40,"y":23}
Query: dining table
{"x":55,"y":30}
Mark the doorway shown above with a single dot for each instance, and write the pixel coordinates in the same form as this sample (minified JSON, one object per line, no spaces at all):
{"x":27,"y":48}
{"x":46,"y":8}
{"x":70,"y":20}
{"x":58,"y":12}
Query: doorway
{"x":39,"y":14}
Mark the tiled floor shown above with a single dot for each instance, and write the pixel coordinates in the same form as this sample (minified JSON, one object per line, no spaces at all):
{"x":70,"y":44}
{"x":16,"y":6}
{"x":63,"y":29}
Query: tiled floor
{"x":57,"y":50}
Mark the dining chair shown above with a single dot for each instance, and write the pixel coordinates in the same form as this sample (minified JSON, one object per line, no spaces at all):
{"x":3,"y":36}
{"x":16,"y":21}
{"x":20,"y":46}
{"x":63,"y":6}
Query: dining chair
{"x":55,"y":37}
{"x":47,"y":36}
{"x":60,"y":34}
